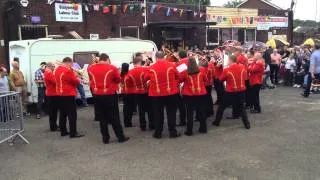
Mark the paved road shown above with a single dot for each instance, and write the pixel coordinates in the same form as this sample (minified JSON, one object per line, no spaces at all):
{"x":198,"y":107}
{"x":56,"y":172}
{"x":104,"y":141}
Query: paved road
{"x":282,"y":144}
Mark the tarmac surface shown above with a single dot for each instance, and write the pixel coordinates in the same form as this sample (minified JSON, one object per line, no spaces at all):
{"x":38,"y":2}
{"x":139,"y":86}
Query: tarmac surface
{"x":283,"y":143}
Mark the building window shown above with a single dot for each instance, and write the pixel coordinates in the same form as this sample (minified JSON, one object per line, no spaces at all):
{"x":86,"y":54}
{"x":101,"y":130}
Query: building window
{"x":250,"y":34}
{"x":32,"y":31}
{"x":130,"y":32}
{"x":226,"y":34}
{"x":212,"y":37}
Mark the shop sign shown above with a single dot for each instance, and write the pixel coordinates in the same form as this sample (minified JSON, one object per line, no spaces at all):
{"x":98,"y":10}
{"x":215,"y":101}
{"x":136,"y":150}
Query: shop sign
{"x":68,"y":12}
{"x":265,"y":23}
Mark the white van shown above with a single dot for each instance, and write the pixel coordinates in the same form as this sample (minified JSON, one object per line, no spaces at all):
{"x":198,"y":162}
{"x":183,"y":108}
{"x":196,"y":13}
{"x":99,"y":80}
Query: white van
{"x":32,"y":52}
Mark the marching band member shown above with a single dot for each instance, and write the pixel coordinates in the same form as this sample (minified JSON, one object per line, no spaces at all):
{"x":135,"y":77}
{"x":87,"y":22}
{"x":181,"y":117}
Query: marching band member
{"x":234,"y":75}
{"x":181,"y":103}
{"x":66,"y":88}
{"x":218,"y":68}
{"x":163,"y":89}
{"x":194,"y":92}
{"x":104,"y":81}
{"x":128,"y":96}
{"x":209,"y":72}
{"x":135,"y":84}
{"x":256,"y":71}
{"x":51,"y":95}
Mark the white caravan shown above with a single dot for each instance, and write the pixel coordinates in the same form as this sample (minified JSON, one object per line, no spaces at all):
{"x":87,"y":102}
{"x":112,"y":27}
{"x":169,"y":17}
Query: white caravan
{"x":32,"y":52}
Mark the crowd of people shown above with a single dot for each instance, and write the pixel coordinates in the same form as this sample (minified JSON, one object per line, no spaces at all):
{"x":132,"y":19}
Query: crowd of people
{"x":181,"y":82}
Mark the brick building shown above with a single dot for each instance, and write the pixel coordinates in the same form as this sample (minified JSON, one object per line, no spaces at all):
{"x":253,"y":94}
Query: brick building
{"x":268,"y":9}
{"x":165,"y":22}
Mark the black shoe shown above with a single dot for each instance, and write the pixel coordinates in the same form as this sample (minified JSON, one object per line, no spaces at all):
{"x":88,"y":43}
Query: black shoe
{"x":181,"y":124}
{"x":187,"y":133}
{"x":215,"y":123}
{"x":156,"y":136}
{"x":143,"y":129}
{"x":233,"y":117}
{"x":253,"y":111}
{"x":202,"y":131}
{"x":247,"y":125}
{"x":64,"y":133}
{"x":105,"y":140}
{"x":129,"y":126}
{"x":123,"y":139}
{"x":304,"y":95}
{"x":175,"y":135}
{"x":76,"y":136}
{"x":196,"y":120}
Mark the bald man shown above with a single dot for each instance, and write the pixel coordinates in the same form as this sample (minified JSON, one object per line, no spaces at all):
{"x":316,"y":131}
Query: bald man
{"x":20,"y":84}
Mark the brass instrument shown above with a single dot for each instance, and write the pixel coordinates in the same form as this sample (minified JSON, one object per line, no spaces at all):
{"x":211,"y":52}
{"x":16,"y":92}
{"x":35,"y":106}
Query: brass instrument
{"x":170,"y":55}
{"x":79,"y":73}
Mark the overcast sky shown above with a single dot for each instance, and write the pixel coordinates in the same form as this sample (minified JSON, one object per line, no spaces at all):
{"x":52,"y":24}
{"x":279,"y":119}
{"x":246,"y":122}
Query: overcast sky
{"x":305,"y":9}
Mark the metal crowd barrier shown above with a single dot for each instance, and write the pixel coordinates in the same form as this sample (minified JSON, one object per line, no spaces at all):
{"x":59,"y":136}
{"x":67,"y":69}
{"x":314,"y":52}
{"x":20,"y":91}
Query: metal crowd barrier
{"x":11,"y":117}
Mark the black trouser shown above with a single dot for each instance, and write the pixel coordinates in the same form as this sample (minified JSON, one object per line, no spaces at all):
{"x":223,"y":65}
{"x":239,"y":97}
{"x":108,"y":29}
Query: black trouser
{"x":170,"y":103}
{"x":67,"y":108}
{"x":144,"y":107}
{"x":255,"y":97}
{"x":108,"y":111}
{"x":218,"y":85}
{"x":209,"y":101}
{"x":196,"y":104}
{"x":182,"y":110}
{"x":288,"y":78}
{"x":274,"y":73}
{"x":299,"y":78}
{"x":247,"y":93}
{"x":234,"y":98}
{"x":52,"y":102}
{"x":307,"y":90}
{"x":128,"y":108}
{"x":41,"y":99}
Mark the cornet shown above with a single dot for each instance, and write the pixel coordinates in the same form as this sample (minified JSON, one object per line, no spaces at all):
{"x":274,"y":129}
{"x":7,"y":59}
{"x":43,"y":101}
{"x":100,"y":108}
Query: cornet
{"x":79,"y":73}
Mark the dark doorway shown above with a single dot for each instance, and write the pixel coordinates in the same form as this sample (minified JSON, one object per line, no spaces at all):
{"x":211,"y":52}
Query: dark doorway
{"x":241,"y":36}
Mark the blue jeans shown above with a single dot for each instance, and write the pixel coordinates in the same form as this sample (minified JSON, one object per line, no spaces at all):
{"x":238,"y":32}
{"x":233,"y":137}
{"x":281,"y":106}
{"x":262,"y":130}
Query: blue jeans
{"x":82,"y":94}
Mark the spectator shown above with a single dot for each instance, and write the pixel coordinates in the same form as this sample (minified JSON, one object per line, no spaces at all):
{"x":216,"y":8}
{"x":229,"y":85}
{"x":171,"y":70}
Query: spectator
{"x":19,"y":83}
{"x":5,"y":82}
{"x":275,"y":66}
{"x":314,"y":71}
{"x":39,"y":80}
{"x":80,"y":88}
{"x":290,"y":64}
{"x":267,"y":54}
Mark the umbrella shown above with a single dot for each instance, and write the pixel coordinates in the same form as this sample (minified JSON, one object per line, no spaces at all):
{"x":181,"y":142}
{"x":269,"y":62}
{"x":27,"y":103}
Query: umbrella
{"x":311,"y":42}
{"x":232,"y":43}
{"x":256,"y":45}
{"x":275,"y":43}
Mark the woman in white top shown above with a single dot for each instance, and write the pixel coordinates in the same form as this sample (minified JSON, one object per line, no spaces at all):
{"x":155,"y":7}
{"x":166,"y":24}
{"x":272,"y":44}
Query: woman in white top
{"x":290,"y":64}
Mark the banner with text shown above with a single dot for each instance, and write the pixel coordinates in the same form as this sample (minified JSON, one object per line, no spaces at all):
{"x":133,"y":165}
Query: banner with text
{"x":265,"y":23}
{"x":68,"y":12}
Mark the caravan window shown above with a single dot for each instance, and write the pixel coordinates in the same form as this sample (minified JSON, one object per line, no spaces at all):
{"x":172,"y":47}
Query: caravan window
{"x":83,"y":58}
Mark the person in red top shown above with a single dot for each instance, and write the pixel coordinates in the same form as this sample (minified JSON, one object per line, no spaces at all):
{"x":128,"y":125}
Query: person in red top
{"x":104,"y":81}
{"x":234,"y":75}
{"x":66,"y":89}
{"x":241,"y":59}
{"x":209,"y":72}
{"x":194,"y":92}
{"x":128,"y":95}
{"x":135,"y":78}
{"x":256,"y":71}
{"x":163,"y":80}
{"x":217,"y":61}
{"x":181,"y":102}
{"x":51,"y":95}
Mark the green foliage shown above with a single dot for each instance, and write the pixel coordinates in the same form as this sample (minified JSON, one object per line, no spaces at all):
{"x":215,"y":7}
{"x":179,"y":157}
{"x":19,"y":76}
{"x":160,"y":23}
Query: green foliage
{"x":307,"y":23}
